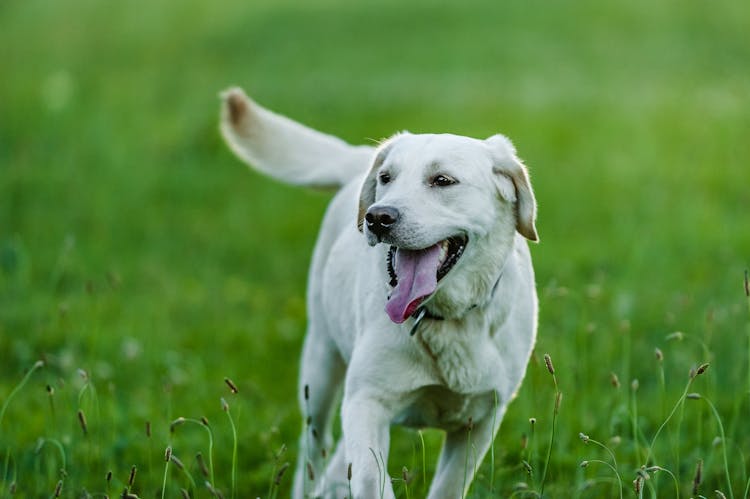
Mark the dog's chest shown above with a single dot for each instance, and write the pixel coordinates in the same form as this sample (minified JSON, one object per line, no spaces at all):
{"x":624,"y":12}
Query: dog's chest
{"x":463,"y":355}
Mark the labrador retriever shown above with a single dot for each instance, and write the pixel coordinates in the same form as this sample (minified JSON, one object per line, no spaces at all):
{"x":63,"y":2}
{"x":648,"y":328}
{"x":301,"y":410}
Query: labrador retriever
{"x":422,"y":308}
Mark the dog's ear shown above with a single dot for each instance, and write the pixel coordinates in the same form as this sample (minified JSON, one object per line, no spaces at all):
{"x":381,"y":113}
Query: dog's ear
{"x":506,"y":163}
{"x":367,"y":193}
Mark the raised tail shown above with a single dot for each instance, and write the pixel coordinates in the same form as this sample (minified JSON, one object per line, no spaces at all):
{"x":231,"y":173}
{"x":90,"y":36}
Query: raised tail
{"x":287,"y":150}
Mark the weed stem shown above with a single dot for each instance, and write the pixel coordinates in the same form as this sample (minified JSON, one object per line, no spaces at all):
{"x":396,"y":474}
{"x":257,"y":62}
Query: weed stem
{"x":617,"y":474}
{"x":680,"y":403}
{"x":723,"y":446}
{"x":225,"y":406}
{"x":37,"y":365}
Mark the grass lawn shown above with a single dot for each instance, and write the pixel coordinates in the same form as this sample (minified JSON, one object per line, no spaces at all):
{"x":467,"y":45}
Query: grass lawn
{"x":143,"y":264}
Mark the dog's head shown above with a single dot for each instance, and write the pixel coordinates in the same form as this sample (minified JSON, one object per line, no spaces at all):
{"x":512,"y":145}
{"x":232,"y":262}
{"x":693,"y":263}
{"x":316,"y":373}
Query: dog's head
{"x":448,"y":208}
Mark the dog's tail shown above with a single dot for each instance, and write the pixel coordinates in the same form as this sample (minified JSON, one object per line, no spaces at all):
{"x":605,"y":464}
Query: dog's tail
{"x":287,"y":150}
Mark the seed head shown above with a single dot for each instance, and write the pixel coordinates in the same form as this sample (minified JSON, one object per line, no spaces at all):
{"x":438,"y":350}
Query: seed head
{"x":634,"y":385}
{"x":184,"y":494}
{"x":703,"y":368}
{"x":548,"y":363}
{"x":108,"y":476}
{"x":677,"y":336}
{"x":527,"y":467}
{"x":637,"y":483}
{"x":349,"y":472}
{"x":12,"y":487}
{"x":177,"y":422}
{"x":50,"y":390}
{"x":614,"y":380}
{"x":82,"y":421}
{"x":204,"y":420}
{"x":307,"y":392}
{"x":201,"y":464}
{"x":747,"y":284}
{"x":532,"y":421}
{"x":214,"y":492}
{"x":405,"y":475}
{"x":584,"y":464}
{"x":280,"y":473}
{"x":720,"y":494}
{"x":224,"y":405}
{"x":693,"y":396}
{"x":231,"y":385}
{"x":584,"y":437}
{"x":698,"y":476}
{"x":148,"y":429}
{"x":615,"y":441}
{"x":659,"y":355}
{"x":177,"y":462}
{"x":58,"y":488}
{"x":131,"y":479}
{"x":168,"y":453}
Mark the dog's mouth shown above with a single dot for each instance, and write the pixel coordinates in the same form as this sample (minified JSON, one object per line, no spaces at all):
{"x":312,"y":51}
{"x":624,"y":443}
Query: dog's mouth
{"x":415,"y":273}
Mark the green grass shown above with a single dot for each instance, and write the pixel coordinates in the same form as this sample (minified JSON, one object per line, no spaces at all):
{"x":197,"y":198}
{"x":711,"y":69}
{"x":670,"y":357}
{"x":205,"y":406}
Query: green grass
{"x":134,"y":246}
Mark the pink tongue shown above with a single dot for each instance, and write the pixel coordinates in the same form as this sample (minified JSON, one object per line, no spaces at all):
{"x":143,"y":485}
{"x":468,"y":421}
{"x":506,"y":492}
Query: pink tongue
{"x":417,"y":278}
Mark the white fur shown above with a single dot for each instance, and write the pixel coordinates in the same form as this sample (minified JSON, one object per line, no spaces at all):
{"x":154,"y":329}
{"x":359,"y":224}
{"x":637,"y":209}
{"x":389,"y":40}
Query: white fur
{"x":453,"y":374}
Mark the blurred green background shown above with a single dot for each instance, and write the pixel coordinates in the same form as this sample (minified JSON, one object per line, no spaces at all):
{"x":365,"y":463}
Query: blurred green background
{"x":135,"y":247}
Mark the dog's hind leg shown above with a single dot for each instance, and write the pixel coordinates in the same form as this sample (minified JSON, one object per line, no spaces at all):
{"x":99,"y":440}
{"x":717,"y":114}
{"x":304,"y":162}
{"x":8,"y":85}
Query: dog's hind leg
{"x":321,"y":376}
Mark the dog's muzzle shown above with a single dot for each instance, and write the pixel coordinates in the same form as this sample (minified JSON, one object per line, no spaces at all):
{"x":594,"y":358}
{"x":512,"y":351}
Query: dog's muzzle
{"x":380,"y":219}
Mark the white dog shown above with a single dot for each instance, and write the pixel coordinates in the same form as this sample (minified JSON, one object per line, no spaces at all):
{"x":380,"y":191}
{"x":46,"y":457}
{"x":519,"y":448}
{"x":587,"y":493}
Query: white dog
{"x":421,"y":296}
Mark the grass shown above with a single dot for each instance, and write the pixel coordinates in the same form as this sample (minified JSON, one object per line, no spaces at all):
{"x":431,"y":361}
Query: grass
{"x":134,"y":246}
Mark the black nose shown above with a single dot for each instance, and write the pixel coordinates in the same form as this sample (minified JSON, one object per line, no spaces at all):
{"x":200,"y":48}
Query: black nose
{"x":380,"y":219}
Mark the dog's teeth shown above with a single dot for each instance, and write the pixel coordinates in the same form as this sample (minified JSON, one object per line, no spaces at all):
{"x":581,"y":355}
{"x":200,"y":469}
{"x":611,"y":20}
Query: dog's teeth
{"x":443,"y":250}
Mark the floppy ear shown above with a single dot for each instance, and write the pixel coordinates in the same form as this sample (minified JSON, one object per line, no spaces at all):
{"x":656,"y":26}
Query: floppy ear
{"x":367,"y":193}
{"x":508,"y":164}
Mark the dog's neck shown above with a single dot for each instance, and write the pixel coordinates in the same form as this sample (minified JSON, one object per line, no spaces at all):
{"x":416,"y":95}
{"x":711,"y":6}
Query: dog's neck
{"x":424,"y":313}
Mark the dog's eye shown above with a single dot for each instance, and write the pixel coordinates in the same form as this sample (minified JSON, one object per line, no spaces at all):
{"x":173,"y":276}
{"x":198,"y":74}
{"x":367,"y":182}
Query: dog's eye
{"x":442,"y":181}
{"x":384,"y":177}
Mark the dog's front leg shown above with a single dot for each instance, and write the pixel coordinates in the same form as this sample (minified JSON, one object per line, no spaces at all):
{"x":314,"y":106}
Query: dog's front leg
{"x":365,"y":422}
{"x":463,"y":452}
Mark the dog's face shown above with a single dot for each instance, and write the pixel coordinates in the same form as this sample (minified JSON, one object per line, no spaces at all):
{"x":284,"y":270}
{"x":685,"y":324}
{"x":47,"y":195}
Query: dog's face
{"x":443,"y":203}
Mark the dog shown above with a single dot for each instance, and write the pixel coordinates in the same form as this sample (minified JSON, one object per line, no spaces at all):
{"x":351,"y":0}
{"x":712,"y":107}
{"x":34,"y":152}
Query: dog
{"x":421,"y":300}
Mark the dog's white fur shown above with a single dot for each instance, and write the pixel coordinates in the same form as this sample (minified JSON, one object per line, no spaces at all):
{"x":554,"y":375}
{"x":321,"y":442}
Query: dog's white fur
{"x":457,"y":373}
